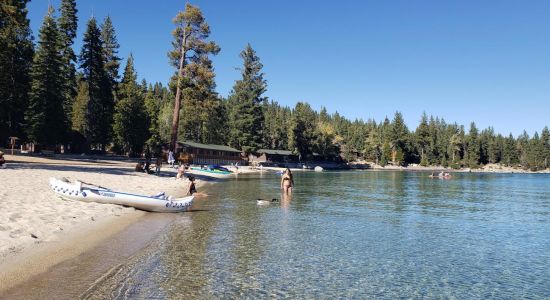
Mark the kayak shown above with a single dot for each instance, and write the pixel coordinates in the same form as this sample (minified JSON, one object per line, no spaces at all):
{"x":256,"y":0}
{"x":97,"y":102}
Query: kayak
{"x":91,"y":193}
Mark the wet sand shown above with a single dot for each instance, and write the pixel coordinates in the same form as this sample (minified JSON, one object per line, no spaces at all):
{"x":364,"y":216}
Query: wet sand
{"x":67,"y":271}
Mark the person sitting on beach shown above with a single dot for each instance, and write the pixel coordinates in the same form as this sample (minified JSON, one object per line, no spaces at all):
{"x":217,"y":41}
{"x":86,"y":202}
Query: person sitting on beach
{"x":193,"y":189}
{"x":287,"y":182}
{"x":139,"y":167}
{"x":2,"y":160}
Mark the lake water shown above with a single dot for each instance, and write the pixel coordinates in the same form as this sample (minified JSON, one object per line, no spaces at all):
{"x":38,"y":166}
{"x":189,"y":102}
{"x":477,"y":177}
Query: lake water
{"x":355,"y":234}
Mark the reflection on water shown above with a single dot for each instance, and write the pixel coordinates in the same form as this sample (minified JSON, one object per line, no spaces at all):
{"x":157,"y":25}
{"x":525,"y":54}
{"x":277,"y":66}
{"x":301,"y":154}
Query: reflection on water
{"x":351,"y":235}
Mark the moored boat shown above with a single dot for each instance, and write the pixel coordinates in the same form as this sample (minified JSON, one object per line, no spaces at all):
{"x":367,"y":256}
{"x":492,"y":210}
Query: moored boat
{"x":211,"y":171}
{"x":91,"y":193}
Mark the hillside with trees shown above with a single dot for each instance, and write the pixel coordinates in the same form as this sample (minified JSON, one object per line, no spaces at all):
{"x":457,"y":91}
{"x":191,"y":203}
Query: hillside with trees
{"x":51,"y":96}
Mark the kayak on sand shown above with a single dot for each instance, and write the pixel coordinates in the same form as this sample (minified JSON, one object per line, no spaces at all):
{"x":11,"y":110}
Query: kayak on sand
{"x":91,"y":193}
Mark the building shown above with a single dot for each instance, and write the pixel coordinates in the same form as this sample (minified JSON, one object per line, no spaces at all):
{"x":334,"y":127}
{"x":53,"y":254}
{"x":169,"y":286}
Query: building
{"x":207,"y":154}
{"x":272,"y":157}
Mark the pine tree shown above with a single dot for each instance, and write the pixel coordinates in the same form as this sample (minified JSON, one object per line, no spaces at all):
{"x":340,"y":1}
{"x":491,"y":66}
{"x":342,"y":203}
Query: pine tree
{"x":190,"y":57}
{"x":110,"y":52}
{"x":46,"y":118}
{"x":423,"y":139}
{"x":99,"y":110}
{"x":473,"y":147}
{"x":398,"y":138}
{"x":246,"y":115}
{"x":153,"y":103}
{"x":16,"y":57}
{"x":80,"y":105}
{"x":130,"y":120}
{"x":545,"y":143}
{"x":302,"y":130}
{"x":68,"y":22}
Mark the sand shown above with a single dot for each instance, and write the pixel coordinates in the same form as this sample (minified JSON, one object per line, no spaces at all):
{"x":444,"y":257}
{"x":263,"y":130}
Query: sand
{"x":31,"y":214}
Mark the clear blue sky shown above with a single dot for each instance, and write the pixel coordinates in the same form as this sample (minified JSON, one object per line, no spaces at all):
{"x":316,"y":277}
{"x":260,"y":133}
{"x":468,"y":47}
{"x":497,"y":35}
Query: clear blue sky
{"x":482,"y":61}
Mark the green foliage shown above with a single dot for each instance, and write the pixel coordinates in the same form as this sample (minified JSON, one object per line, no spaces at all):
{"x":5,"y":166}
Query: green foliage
{"x":130,"y":118}
{"x":302,"y":130}
{"x":246,"y":117}
{"x":16,"y":56}
{"x":473,"y":147}
{"x":110,"y":52}
{"x":46,"y":118}
{"x":68,"y":22}
{"x":99,"y":109}
{"x":194,"y":79}
{"x":79,"y":119}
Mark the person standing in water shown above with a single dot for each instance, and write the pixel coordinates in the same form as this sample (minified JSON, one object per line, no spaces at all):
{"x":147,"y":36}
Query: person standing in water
{"x":287,"y":182}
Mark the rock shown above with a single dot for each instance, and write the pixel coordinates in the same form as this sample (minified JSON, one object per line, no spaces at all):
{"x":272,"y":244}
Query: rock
{"x":34,"y":236}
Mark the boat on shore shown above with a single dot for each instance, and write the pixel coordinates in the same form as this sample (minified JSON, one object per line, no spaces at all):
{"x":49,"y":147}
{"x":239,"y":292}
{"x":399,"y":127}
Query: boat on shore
{"x":211,"y":171}
{"x":86,"y":192}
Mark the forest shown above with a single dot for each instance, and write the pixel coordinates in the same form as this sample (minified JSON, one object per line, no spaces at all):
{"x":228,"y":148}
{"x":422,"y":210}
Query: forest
{"x":92,"y":100}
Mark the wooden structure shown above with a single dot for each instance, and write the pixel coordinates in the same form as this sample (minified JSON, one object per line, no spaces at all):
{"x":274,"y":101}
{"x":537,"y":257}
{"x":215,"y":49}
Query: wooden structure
{"x":13,"y":142}
{"x":268,"y":157}
{"x":207,"y":154}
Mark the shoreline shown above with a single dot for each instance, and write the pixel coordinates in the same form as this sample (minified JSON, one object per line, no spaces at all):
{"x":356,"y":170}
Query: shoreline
{"x":36,"y":260}
{"x":39,"y":230}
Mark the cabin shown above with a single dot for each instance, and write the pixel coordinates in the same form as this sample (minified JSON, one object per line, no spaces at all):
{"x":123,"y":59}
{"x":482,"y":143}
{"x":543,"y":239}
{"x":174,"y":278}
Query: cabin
{"x":272,"y":157}
{"x":207,"y":154}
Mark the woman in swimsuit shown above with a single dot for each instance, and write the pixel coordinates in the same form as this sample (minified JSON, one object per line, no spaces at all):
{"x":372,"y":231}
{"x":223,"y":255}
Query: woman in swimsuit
{"x":287,"y":182}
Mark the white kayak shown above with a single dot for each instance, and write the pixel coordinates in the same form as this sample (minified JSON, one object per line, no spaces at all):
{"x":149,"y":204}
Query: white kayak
{"x":90,"y":193}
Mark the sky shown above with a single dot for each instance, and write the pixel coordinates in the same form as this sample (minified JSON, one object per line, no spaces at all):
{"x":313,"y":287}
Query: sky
{"x":482,"y":61}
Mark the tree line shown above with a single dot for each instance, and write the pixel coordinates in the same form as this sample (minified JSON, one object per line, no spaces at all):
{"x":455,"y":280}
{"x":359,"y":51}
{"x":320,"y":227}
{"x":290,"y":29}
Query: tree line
{"x":52,"y":96}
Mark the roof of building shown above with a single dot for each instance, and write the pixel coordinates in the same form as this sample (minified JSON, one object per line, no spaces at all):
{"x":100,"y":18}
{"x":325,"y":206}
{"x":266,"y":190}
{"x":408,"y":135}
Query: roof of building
{"x":209,"y":146}
{"x":275,"y":152}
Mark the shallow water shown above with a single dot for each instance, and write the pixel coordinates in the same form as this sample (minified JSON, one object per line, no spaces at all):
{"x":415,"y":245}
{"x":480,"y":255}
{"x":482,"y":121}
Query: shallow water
{"x":352,"y":235}
{"x":363,"y":234}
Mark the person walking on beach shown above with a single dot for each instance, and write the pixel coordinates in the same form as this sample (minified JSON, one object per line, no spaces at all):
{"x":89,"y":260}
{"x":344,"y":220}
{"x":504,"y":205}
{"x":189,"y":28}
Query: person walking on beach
{"x":171,"y":159}
{"x":158,"y":164}
{"x":287,"y":182}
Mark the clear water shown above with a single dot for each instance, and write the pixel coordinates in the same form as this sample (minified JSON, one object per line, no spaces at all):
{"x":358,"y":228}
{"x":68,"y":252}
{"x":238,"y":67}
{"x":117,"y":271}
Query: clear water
{"x":351,"y":235}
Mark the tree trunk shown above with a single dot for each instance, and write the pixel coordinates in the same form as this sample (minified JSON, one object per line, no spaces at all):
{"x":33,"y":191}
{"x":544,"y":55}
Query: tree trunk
{"x":176,"y":115}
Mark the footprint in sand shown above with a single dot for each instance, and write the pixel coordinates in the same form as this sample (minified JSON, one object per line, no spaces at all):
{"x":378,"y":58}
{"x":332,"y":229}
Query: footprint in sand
{"x":4,"y":228}
{"x":16,"y":233}
{"x":14,"y":217}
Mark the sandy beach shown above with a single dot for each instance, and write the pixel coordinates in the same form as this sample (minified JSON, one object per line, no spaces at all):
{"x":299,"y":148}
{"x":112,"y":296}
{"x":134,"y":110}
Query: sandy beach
{"x":33,"y":218}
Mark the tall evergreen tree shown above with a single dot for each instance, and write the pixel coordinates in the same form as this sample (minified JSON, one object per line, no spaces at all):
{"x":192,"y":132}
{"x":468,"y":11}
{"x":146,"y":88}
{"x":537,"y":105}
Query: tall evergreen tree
{"x":423,"y":139}
{"x":190,"y":57}
{"x":46,"y":118}
{"x":130,"y":120}
{"x":80,"y":106}
{"x":302,"y":130}
{"x":545,"y":143}
{"x":110,"y":52}
{"x":473,"y":147}
{"x":16,"y":56}
{"x":99,"y":109}
{"x":68,"y":22}
{"x":246,"y":100}
{"x":398,"y":138}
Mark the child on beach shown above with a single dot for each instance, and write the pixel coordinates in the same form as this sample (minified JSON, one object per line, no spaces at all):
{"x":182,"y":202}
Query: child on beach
{"x":193,"y":189}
